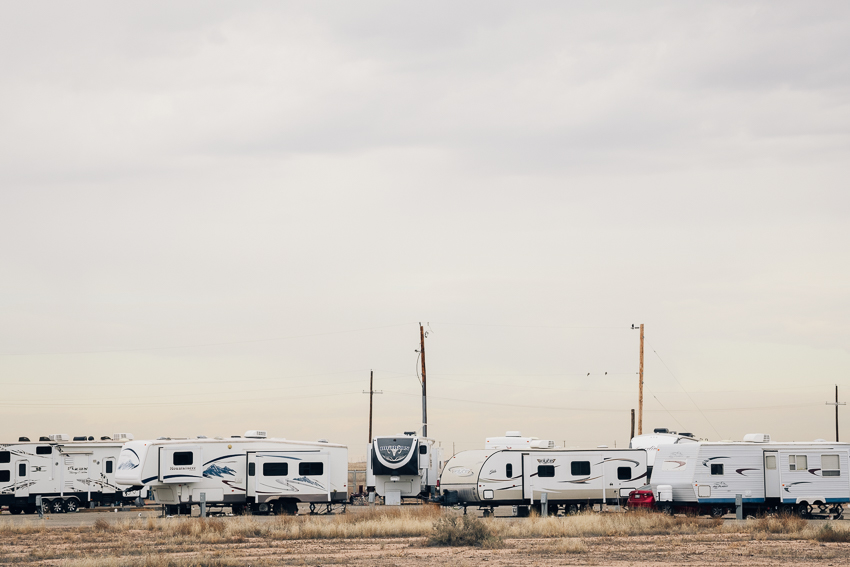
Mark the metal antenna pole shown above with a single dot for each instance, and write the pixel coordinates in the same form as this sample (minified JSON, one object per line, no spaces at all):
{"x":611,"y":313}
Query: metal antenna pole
{"x":836,"y":403}
{"x":371,"y":393}
{"x":424,"y":389}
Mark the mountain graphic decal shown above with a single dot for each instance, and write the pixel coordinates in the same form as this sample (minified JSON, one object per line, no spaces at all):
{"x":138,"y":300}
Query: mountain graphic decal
{"x":215,"y":470}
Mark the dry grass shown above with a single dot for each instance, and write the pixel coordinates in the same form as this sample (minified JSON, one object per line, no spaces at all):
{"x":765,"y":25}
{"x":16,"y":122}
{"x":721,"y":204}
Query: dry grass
{"x":459,"y":531}
{"x":830,"y":532}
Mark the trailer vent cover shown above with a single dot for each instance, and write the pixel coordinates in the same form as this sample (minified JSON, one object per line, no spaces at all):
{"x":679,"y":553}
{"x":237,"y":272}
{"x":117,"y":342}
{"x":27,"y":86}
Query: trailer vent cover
{"x":59,"y":437}
{"x":661,"y":430}
{"x":23,"y":439}
{"x":122,"y":436}
{"x":543,"y":444}
{"x":757,"y":438}
{"x":256,"y":434}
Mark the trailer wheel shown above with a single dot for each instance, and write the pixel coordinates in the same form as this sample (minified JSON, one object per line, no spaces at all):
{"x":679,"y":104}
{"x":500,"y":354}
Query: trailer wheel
{"x":804,"y":510}
{"x":717,"y":511}
{"x":15,"y":510}
{"x":72,"y":506}
{"x":57,"y":506}
{"x":45,"y":506}
{"x":572,"y":510}
{"x":667,"y":509}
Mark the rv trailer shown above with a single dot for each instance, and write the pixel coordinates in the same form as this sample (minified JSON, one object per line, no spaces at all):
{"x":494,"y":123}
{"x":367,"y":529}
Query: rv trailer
{"x":770,"y":477}
{"x":252,"y":473}
{"x":67,"y":474}
{"x":403,"y":466}
{"x":572,"y":479}
{"x":660,"y":436}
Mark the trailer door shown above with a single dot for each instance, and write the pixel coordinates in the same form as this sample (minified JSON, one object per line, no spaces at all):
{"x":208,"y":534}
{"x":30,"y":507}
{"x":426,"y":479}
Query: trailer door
{"x":22,"y":484}
{"x":108,"y":469}
{"x":771,"y":474}
{"x":251,"y":476}
{"x":529,"y":474}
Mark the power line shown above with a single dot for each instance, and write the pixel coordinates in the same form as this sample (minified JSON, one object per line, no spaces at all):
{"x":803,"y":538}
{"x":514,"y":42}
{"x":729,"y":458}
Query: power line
{"x":142,"y":349}
{"x":685,"y":391}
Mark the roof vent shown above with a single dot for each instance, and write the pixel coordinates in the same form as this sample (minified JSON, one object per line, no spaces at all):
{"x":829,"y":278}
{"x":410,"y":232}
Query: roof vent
{"x":122,"y":436}
{"x":543,"y":444}
{"x":683,"y":434}
{"x":105,"y":438}
{"x":59,"y":437}
{"x":661,"y":430}
{"x":23,"y":439}
{"x":757,"y":438}
{"x":323,"y":440}
{"x":513,"y":434}
{"x":256,"y":434}
{"x":43,"y":438}
{"x":80,"y":438}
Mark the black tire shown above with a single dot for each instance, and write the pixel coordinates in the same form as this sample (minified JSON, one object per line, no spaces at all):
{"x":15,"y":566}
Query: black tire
{"x":14,"y":510}
{"x":667,"y":509}
{"x":45,"y":506}
{"x":717,"y":512}
{"x":57,"y":506}
{"x":72,"y":505}
{"x":804,"y":510}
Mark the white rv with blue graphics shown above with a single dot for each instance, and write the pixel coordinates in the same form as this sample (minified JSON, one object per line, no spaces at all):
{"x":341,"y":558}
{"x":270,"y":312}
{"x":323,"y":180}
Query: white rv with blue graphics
{"x":68,"y":474}
{"x":248,"y":474}
{"x":705,"y":477}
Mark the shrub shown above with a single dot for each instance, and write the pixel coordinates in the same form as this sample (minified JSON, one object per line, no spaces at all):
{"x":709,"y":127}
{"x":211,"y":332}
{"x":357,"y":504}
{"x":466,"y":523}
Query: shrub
{"x":829,"y":534}
{"x":457,"y":531}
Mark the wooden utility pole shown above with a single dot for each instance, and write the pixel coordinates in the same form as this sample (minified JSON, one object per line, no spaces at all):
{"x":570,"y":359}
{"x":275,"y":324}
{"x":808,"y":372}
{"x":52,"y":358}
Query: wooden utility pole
{"x":632,"y":436}
{"x":640,"y":386}
{"x":836,"y":403}
{"x":371,"y":393}
{"x":424,"y":389}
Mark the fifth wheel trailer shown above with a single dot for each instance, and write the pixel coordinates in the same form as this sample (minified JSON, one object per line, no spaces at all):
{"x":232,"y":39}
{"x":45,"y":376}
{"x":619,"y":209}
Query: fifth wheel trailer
{"x":403,"y":466}
{"x":572,"y":479}
{"x":248,"y":474}
{"x":799,"y":477}
{"x":67,"y":474}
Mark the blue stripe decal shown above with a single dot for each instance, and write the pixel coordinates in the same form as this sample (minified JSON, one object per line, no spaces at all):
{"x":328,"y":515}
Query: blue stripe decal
{"x":224,"y":457}
{"x":147,"y":480}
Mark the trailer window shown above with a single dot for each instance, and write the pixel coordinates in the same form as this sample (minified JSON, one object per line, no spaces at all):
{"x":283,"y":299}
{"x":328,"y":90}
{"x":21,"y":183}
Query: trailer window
{"x":546,"y":471}
{"x":22,"y":470}
{"x":509,"y":470}
{"x":770,"y":462}
{"x":830,"y":465}
{"x":5,"y":476}
{"x":716,"y":469}
{"x":624,"y":473}
{"x":275,"y":469}
{"x":5,"y":457}
{"x":109,"y":466}
{"x":183,"y":458}
{"x":44,"y":450}
{"x":580,"y":468}
{"x":423,"y":449}
{"x":798,"y":463}
{"x":311,"y":469}
{"x":252,"y":467}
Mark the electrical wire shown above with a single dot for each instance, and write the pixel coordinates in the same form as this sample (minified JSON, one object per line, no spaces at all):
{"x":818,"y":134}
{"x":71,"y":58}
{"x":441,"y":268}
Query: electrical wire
{"x":685,"y":391}
{"x":226,"y":343}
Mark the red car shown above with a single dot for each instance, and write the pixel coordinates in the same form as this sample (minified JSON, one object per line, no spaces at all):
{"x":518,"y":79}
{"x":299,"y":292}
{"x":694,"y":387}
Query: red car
{"x":641,"y":498}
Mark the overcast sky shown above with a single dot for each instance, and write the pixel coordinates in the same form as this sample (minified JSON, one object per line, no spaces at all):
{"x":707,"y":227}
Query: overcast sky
{"x":217,"y":217}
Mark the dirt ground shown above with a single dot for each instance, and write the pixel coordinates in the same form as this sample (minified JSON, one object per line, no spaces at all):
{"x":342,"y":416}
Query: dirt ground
{"x":52,"y":548}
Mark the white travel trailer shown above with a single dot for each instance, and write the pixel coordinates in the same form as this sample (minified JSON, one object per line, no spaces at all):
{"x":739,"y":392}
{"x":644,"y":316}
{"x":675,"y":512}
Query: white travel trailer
{"x":660,"y":436}
{"x":67,"y":474}
{"x":403,"y":466}
{"x":786,"y":477}
{"x":573,"y":479}
{"x":248,"y":474}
